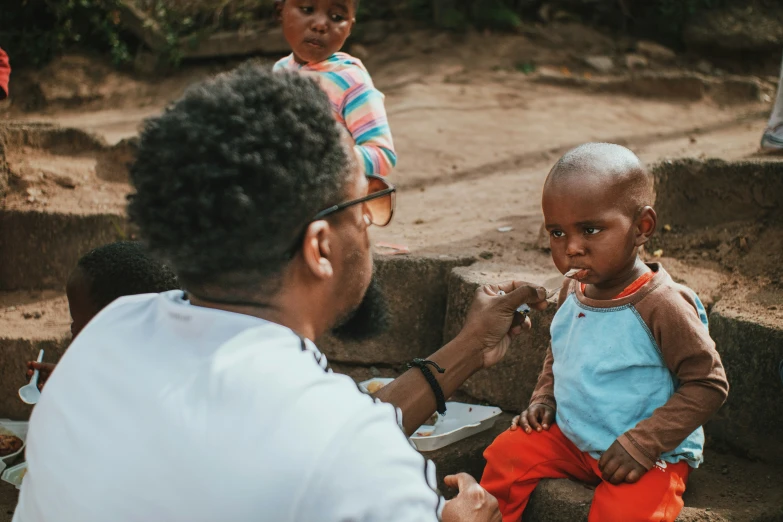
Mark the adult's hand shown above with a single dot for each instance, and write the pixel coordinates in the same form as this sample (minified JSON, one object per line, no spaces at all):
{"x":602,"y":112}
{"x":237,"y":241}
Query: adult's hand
{"x":44,"y":371}
{"x":493,"y":320}
{"x":472,"y":504}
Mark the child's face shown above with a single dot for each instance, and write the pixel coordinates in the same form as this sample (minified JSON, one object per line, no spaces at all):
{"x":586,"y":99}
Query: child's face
{"x":79,"y":301}
{"x":591,"y":227}
{"x":316,"y":29}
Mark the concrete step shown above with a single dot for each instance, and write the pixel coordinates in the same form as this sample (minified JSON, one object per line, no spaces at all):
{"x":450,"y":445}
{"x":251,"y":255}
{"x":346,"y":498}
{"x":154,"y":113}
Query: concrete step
{"x":40,"y":249}
{"x":29,"y":321}
{"x":510,"y":383}
{"x":724,"y":489}
{"x":416,"y":288}
{"x":749,"y":337}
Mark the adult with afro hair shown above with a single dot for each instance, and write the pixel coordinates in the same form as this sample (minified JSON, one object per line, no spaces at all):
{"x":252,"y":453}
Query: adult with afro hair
{"x":103,"y":275}
{"x":214,"y":403}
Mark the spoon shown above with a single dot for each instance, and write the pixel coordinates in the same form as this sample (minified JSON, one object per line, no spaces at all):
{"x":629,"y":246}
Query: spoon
{"x":29,"y":393}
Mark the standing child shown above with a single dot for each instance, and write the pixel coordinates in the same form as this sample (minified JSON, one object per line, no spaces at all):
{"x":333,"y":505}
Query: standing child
{"x":316,"y":30}
{"x":632,"y":373}
{"x":103,"y":275}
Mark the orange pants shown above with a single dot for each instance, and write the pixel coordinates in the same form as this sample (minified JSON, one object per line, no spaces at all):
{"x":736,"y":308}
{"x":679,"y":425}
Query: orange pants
{"x":516,"y":462}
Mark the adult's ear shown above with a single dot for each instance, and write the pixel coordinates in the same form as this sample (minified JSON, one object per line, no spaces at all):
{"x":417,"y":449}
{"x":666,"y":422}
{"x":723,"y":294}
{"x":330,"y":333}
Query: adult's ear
{"x":317,"y":251}
{"x":646,"y":224}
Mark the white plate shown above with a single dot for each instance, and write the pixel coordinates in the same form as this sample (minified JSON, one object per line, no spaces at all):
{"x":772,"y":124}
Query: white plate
{"x":460,"y":422}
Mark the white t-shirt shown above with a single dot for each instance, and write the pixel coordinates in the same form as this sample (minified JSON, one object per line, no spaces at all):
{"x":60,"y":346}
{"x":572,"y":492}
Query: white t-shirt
{"x":162,"y":411}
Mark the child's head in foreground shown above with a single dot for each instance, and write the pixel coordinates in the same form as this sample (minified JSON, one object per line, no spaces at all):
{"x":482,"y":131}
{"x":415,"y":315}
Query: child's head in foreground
{"x":316,"y":29}
{"x":112,"y":271}
{"x":597,"y":209}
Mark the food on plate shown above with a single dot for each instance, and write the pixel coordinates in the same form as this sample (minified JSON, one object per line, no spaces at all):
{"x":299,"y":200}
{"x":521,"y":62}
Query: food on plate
{"x":374,"y":386}
{"x":424,"y":433}
{"x":9,"y":444}
{"x":432,"y":420}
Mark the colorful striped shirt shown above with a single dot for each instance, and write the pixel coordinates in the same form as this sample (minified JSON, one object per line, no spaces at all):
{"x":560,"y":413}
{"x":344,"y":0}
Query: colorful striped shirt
{"x":356,"y":104}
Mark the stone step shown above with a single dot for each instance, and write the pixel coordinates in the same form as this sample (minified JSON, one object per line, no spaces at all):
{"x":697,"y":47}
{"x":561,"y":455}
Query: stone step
{"x":510,"y":383}
{"x":724,"y":489}
{"x":749,"y":338}
{"x":416,"y":288}
{"x":29,"y":321}
{"x":40,"y":249}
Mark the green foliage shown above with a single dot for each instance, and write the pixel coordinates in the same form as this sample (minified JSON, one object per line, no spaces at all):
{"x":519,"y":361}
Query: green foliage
{"x":36,"y":30}
{"x":670,"y":16}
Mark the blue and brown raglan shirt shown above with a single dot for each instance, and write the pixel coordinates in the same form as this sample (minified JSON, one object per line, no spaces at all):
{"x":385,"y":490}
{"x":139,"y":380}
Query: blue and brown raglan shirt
{"x":641,"y":370}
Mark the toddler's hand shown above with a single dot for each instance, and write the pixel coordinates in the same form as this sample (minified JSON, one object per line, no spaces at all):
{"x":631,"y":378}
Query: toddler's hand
{"x":618,"y":466}
{"x":44,"y":371}
{"x":537,"y":417}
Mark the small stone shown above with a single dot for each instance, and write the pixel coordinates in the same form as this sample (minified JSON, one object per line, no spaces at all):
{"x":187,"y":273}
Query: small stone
{"x":603,"y":64}
{"x":27,"y":315}
{"x":772,"y":308}
{"x":667,"y":228}
{"x":636,"y":61}
{"x":705,"y":255}
{"x":486,"y":255}
{"x":63,"y":181}
{"x":375,"y":372}
{"x":743,"y":243}
{"x":10,"y":309}
{"x":655,"y":51}
{"x":658,"y":253}
{"x":692,"y":139}
{"x":725,"y":470}
{"x":704,"y":67}
{"x":505,"y":229}
{"x":37,"y":315}
{"x":418,"y":222}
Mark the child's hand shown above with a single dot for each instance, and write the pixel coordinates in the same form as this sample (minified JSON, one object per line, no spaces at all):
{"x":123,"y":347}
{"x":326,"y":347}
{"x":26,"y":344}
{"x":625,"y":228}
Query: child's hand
{"x":618,"y":466}
{"x":44,"y":371}
{"x":536,"y":417}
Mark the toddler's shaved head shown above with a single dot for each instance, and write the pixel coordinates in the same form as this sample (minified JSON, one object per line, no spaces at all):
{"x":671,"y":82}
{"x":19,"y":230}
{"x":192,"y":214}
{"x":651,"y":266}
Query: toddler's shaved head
{"x":607,"y":167}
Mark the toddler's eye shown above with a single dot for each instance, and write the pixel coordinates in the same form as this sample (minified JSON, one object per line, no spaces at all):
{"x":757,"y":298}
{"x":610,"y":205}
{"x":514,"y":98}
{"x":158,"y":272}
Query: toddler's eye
{"x":338,"y":18}
{"x":557,"y":233}
{"x":590,"y":231}
{"x":306,"y":9}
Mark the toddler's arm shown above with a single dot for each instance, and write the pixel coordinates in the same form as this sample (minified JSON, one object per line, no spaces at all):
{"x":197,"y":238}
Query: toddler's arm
{"x":690,"y":355}
{"x":365,"y":117}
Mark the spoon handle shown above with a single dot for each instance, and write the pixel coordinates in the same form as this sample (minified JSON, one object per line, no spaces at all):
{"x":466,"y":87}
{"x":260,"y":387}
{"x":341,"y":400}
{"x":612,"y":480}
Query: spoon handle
{"x":34,"y":379}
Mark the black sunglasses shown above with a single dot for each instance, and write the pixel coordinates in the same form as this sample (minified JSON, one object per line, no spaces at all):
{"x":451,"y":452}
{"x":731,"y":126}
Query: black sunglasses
{"x":380,"y":201}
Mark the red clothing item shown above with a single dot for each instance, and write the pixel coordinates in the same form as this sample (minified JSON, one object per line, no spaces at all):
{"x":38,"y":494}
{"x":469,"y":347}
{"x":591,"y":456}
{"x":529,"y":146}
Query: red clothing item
{"x":5,"y":74}
{"x":517,"y":461}
{"x":633,"y":287}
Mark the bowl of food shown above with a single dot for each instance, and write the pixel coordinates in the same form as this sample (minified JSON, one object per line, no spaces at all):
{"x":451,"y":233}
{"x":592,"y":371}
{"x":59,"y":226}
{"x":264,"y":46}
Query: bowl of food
{"x":11,"y":446}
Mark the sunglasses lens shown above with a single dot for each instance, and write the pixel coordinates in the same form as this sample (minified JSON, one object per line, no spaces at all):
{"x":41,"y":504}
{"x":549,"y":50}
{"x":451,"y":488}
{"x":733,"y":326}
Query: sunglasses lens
{"x":381,"y":208}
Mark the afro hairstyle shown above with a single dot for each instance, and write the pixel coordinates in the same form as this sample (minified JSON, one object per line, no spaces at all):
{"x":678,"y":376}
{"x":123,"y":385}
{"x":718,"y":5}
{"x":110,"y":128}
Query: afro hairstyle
{"x":229,"y":176}
{"x":124,"y":268}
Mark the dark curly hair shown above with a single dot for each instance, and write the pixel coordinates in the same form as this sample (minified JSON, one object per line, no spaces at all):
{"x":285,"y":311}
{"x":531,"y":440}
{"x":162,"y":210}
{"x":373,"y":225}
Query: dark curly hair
{"x":124,"y":268}
{"x":228,"y":177}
